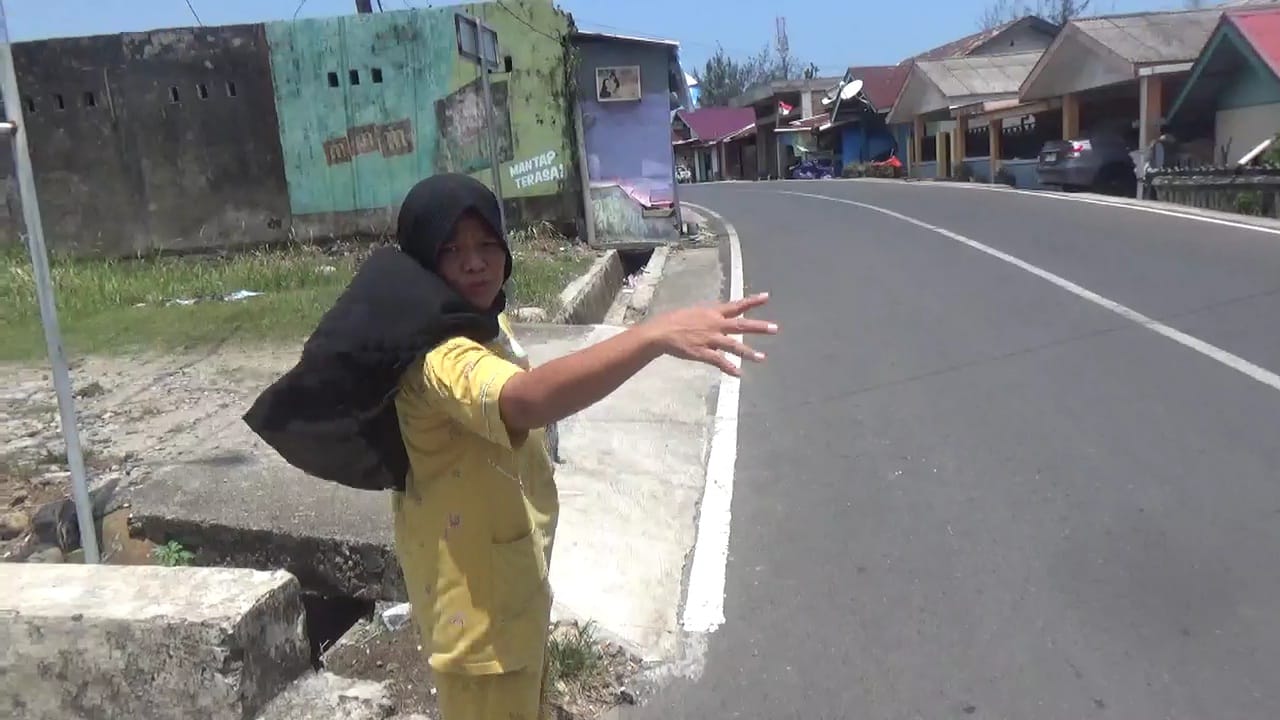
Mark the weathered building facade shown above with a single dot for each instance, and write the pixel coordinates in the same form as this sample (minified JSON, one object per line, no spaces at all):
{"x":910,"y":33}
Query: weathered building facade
{"x":216,"y":136}
{"x":163,"y":139}
{"x":630,"y":164}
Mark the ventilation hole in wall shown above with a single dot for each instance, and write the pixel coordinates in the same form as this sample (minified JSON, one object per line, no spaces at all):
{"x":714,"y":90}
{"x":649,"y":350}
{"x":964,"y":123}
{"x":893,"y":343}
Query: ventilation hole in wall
{"x":59,"y":103}
{"x":377,"y":74}
{"x":90,"y":100}
{"x":29,"y":103}
{"x":174,"y":96}
{"x":231,"y":89}
{"x":355,"y":76}
{"x":333,"y":79}
{"x":202,"y":90}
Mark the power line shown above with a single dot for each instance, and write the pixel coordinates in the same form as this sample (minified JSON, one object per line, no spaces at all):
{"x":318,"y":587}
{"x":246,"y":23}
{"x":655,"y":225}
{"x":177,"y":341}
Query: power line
{"x":528,"y":24}
{"x":194,"y":13}
{"x":298,"y":9}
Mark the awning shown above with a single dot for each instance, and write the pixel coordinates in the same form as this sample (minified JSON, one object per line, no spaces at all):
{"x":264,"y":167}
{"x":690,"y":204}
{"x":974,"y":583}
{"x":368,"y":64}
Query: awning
{"x":1002,"y":109}
{"x":739,"y":134}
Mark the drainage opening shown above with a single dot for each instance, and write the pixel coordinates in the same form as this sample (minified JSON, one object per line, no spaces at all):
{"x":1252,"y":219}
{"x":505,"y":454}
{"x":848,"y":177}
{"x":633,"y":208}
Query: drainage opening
{"x":329,"y":618}
{"x":633,"y":261}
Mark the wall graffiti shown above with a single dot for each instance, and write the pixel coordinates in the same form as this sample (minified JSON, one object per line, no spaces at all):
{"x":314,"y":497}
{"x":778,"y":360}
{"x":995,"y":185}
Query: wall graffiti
{"x":368,"y":105}
{"x":537,"y":169}
{"x":389,"y":139}
{"x":461,"y":118}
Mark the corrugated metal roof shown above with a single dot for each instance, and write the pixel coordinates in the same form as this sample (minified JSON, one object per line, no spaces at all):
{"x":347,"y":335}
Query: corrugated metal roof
{"x":714,"y":123}
{"x":981,"y":75}
{"x":596,"y":35}
{"x":881,"y":83}
{"x":1143,"y":38}
{"x":969,"y":43}
{"x":1261,"y":28}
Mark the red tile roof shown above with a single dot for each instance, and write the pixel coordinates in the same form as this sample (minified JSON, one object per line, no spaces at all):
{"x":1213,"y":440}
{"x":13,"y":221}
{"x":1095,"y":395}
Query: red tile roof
{"x":1261,"y":28}
{"x":882,"y":83}
{"x":714,"y":123}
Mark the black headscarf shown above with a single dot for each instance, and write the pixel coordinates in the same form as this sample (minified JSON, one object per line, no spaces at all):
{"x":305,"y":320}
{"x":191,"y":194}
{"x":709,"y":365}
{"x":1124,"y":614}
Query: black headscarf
{"x":333,"y":414}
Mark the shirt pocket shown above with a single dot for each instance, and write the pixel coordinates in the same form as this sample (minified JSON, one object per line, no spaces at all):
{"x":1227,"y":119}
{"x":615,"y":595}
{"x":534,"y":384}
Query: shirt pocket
{"x":519,"y":575}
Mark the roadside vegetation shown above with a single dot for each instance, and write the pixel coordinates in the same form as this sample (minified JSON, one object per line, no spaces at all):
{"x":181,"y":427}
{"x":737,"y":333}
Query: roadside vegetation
{"x":159,"y":303}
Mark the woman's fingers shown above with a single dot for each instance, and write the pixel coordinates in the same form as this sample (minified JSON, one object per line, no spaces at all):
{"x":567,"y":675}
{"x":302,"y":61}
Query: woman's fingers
{"x":747,"y":326}
{"x":738,"y":307}
{"x":718,"y":360}
{"x":724,"y":342}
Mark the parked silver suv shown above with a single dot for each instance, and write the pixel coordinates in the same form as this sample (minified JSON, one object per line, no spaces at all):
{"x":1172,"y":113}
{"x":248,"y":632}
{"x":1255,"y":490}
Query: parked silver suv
{"x":1099,"y":162}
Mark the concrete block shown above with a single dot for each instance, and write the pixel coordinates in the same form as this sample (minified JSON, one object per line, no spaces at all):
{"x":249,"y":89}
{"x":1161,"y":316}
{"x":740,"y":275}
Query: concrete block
{"x":149,"y":643}
{"x":588,"y":298}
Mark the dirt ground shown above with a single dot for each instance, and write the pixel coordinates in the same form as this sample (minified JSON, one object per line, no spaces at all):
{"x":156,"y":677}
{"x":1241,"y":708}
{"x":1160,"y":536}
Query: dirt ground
{"x":133,"y":413}
{"x":372,"y":652}
{"x":392,"y":657}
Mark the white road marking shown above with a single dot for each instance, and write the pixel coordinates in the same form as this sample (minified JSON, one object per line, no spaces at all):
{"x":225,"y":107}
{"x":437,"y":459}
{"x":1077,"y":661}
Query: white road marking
{"x":1110,"y":203}
{"x":704,"y":601}
{"x":1235,"y":362}
{"x":1134,"y":205}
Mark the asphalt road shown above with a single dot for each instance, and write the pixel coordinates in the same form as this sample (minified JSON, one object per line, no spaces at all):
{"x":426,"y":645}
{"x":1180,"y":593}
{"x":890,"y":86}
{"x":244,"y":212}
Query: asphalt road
{"x":964,"y":492}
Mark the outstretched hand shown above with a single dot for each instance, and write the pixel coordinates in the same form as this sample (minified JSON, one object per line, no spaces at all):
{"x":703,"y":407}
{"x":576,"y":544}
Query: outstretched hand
{"x":705,"y":334}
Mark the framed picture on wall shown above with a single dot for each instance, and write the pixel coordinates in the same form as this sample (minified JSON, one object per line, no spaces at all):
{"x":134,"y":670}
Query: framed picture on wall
{"x":618,"y":84}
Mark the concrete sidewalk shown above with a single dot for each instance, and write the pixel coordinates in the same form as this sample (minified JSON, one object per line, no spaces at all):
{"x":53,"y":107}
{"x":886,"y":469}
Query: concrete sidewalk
{"x":630,"y":483}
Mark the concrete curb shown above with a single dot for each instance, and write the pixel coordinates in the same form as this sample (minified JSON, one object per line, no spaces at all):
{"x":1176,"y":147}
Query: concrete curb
{"x":586,"y":301}
{"x":148,"y":642}
{"x":642,"y":296}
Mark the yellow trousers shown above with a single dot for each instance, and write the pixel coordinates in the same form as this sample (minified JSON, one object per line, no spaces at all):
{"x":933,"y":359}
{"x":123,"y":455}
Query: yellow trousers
{"x":519,"y":695}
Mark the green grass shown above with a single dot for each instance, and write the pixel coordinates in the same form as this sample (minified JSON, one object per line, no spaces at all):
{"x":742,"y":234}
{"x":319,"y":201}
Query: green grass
{"x":112,"y":307}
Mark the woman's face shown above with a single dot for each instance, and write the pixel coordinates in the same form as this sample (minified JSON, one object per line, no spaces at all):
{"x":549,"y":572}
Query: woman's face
{"x":473,"y":262}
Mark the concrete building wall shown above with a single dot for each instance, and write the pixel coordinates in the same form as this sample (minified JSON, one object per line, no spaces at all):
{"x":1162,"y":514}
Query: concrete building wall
{"x":369,"y":104}
{"x":1248,"y":110}
{"x":156,"y":140}
{"x":1241,"y":129}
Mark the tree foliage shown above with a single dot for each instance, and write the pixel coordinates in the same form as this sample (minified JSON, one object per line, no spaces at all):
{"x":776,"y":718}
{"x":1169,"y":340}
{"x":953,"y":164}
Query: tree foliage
{"x":723,"y":77}
{"x":999,"y":12}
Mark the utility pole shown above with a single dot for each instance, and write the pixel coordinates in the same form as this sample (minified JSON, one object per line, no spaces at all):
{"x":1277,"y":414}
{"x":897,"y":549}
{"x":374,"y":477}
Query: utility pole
{"x":12,"y":126}
{"x":784,"y":48}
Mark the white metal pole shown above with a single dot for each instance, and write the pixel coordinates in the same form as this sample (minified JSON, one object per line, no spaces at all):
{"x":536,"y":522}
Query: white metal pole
{"x":44,"y":294}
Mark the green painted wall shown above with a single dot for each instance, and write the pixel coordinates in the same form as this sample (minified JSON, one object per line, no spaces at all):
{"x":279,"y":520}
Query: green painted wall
{"x":1251,"y":86}
{"x":533,"y":33}
{"x":370,"y":104}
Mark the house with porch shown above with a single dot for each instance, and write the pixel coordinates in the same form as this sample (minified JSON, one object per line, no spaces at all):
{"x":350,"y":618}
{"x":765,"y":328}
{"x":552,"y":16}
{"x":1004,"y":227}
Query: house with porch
{"x":854,"y":129}
{"x":1028,"y":34}
{"x":775,"y":105}
{"x":1116,"y":74}
{"x":1232,"y":98}
{"x":941,"y":99}
{"x":701,"y":141}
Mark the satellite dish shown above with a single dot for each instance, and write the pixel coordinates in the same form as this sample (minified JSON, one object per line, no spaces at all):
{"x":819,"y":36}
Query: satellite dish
{"x":850,"y":91}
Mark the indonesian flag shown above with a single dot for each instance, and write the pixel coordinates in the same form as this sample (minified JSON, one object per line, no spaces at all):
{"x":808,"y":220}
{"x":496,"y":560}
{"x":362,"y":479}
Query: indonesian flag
{"x":784,"y":109}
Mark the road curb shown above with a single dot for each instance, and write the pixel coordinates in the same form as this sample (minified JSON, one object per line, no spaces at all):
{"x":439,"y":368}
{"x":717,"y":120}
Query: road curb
{"x":636,"y":307}
{"x":587,"y":299}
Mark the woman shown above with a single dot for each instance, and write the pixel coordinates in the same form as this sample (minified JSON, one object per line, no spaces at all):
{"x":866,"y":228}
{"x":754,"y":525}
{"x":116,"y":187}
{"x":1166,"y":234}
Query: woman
{"x":476,"y":506}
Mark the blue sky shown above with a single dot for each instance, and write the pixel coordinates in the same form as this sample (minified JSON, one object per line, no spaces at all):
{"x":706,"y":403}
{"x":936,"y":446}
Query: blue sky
{"x":831,"y":33}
